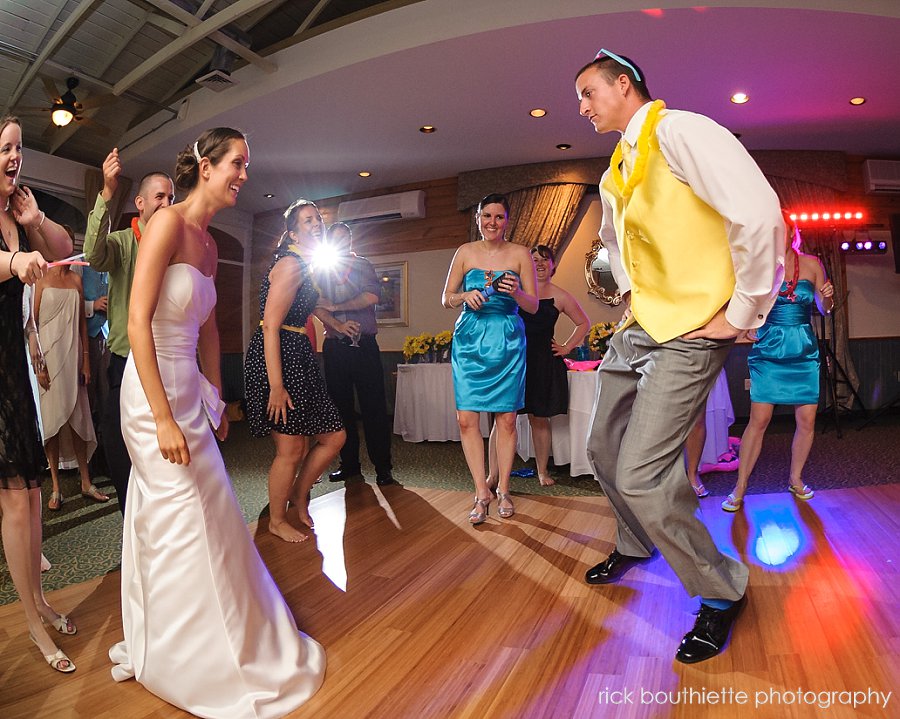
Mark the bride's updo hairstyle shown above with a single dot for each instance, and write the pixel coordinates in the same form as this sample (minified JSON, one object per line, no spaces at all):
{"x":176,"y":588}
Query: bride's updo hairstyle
{"x":212,"y":144}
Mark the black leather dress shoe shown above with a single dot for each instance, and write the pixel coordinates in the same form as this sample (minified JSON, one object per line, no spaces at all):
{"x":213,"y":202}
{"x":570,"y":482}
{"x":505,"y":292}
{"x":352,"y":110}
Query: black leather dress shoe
{"x":710,"y":633}
{"x":384,"y":479}
{"x":611,"y":569}
{"x":344,"y":474}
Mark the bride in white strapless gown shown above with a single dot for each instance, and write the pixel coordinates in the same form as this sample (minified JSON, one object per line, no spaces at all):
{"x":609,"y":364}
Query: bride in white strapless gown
{"x":205,"y":627}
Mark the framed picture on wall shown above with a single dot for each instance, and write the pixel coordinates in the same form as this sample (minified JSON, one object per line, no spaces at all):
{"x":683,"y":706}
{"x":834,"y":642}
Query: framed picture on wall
{"x":393,"y":297}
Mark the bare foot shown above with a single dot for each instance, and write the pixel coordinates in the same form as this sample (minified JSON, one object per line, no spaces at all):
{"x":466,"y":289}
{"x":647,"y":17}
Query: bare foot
{"x":285,"y":531}
{"x":546,"y":480}
{"x":305,"y":517}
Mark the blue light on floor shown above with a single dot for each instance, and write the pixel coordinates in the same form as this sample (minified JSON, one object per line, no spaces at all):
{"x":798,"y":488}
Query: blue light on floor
{"x":780,"y":537}
{"x":775,"y":544}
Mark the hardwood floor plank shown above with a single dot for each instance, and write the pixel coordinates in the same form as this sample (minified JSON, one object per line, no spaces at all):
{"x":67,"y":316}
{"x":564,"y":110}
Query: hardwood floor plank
{"x":423,"y":615}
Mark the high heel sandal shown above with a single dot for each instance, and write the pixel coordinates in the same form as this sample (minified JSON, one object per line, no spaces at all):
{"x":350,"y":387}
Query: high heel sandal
{"x":56,"y":500}
{"x":477,"y":516}
{"x":732,"y":503}
{"x":63,"y":624}
{"x":505,"y":512}
{"x":55,"y":660}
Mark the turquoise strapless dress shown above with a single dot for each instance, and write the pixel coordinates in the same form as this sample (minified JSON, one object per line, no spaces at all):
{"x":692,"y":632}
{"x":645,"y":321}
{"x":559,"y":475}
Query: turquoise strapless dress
{"x":488,"y":352}
{"x":784,"y":362}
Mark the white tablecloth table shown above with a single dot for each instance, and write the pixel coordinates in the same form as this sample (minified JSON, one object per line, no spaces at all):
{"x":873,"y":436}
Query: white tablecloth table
{"x":424,"y":407}
{"x":425,"y":410}
{"x":568,"y":441}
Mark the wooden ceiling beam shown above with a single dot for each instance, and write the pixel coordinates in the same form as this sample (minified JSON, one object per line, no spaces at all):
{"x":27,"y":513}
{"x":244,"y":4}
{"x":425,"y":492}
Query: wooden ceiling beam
{"x":314,"y":13}
{"x":217,"y":36}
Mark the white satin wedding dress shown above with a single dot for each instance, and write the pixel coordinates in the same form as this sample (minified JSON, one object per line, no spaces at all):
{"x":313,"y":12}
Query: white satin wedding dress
{"x":205,"y":627}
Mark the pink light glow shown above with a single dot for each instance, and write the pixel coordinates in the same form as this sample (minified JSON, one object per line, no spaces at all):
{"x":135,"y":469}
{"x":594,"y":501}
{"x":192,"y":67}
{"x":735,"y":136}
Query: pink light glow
{"x":653,"y":12}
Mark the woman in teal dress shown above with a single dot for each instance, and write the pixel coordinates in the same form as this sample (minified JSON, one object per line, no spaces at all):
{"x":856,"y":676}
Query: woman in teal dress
{"x":490,"y":280}
{"x":784,"y":367}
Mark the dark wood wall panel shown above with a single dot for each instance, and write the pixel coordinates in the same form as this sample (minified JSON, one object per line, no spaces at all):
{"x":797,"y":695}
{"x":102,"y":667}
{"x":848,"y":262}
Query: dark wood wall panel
{"x":229,"y":307}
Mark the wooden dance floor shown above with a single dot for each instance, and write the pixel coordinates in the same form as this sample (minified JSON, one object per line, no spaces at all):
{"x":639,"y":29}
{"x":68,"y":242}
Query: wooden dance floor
{"x":422,"y":615}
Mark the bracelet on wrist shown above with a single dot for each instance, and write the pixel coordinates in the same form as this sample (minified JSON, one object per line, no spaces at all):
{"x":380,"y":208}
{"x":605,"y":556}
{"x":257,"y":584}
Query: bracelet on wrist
{"x":43,"y":217}
{"x":11,"y":258}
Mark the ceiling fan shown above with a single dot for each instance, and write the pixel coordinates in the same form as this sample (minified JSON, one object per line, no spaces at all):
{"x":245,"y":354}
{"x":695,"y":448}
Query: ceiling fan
{"x":66,"y":108}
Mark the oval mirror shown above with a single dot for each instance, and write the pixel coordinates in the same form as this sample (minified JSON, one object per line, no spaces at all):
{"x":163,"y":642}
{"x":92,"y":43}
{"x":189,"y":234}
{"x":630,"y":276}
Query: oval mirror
{"x":598,"y":275}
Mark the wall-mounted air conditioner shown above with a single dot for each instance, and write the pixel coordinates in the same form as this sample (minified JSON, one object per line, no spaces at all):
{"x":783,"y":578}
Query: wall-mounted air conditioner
{"x":881,"y":175}
{"x":400,"y":205}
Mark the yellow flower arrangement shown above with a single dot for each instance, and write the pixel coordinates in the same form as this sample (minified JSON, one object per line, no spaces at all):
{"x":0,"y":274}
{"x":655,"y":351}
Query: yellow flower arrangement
{"x":443,"y":339}
{"x":598,"y":337}
{"x":417,"y":345}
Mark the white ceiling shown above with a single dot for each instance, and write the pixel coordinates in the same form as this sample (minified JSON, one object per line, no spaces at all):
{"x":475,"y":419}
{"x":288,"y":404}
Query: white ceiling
{"x":352,"y":98}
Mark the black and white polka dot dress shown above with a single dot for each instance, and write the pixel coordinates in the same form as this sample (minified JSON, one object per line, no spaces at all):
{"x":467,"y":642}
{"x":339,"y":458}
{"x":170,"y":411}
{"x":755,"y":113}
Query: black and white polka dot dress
{"x":314,"y":412}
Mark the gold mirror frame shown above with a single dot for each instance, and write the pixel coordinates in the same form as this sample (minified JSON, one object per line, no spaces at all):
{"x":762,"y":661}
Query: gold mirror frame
{"x":601,"y":283}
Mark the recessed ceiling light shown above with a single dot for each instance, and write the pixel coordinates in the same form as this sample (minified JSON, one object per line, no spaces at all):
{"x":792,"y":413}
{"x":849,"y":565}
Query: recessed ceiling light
{"x":739,"y":98}
{"x":365,"y":173}
{"x":538,"y":112}
{"x":564,"y":146}
{"x":857,"y":100}
{"x":428,"y":129}
{"x":268,"y":195}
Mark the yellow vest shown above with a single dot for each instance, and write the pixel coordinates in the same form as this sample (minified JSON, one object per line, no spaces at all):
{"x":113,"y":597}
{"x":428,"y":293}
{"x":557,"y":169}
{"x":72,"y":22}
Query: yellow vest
{"x":674,"y":250}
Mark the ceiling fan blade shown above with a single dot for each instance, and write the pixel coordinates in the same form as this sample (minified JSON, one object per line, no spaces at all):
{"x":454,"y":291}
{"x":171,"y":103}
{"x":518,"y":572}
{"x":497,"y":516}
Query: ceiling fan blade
{"x":48,"y":131}
{"x":30,"y":110}
{"x":50,"y":89}
{"x":90,"y":124}
{"x":97,"y":101}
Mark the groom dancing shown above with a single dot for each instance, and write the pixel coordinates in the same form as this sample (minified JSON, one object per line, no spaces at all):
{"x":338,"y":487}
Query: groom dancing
{"x":696,"y":243}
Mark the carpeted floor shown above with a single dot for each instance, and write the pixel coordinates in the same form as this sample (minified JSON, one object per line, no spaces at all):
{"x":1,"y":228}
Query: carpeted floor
{"x":83,"y":539}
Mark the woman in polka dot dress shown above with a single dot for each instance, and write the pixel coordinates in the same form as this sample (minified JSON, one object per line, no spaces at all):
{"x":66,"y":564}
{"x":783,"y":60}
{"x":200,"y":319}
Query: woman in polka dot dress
{"x":285,"y":391}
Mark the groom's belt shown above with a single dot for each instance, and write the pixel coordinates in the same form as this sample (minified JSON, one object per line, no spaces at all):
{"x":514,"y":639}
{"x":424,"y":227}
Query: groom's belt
{"x":290,"y":328}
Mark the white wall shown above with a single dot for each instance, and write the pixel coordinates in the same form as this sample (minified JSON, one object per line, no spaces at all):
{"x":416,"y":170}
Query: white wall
{"x":874,"y":292}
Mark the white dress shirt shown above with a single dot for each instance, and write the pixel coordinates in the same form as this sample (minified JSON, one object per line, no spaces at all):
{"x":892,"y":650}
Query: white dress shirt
{"x":709,"y":159}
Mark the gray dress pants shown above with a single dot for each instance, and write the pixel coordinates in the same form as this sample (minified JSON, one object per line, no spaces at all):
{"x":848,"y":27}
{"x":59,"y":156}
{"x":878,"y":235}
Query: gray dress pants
{"x":650,"y":396}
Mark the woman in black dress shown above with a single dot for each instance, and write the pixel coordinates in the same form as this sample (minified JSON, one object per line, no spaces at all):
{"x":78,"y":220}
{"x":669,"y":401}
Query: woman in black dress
{"x":22,"y":462}
{"x":285,"y":392}
{"x":546,"y":383}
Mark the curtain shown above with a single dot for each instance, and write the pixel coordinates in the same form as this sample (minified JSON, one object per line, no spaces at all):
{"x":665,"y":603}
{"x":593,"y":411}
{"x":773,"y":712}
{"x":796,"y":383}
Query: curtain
{"x":834,"y":331}
{"x":93,"y":184}
{"x":540,"y":215}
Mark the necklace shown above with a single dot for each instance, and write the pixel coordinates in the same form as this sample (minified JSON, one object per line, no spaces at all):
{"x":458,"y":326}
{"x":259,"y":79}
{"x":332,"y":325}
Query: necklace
{"x":642,"y":148}
{"x":789,"y":291}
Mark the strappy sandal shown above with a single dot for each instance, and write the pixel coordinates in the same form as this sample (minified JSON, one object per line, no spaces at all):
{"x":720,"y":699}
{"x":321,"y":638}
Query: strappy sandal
{"x":95,"y":494}
{"x":58,"y":661}
{"x":804,"y":492}
{"x":505,"y":512}
{"x":56,"y":500}
{"x":732,"y":503}
{"x":479,"y":513}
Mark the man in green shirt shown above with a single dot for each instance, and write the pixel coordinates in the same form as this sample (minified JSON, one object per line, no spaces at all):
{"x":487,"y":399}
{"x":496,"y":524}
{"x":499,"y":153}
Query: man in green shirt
{"x":115,"y":253}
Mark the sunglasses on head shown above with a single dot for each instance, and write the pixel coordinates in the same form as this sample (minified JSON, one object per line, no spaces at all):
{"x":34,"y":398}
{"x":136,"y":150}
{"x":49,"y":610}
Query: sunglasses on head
{"x":612,"y":56}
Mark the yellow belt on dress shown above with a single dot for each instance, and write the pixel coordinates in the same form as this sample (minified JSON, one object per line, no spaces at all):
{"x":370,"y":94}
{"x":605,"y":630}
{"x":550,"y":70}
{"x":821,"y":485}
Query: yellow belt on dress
{"x":290,"y":328}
